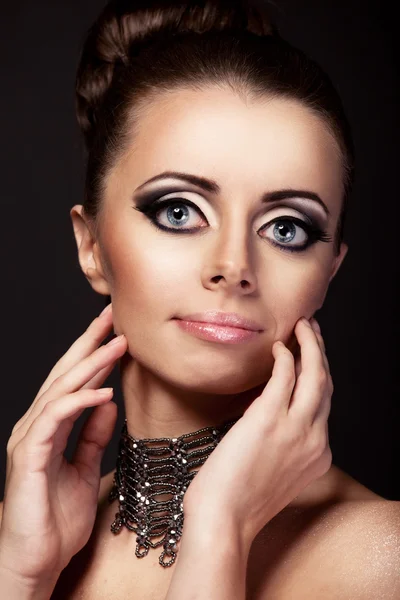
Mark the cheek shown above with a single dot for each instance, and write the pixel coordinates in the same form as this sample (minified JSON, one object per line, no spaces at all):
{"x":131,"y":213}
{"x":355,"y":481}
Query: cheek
{"x":296,"y":291}
{"x":148,"y":275}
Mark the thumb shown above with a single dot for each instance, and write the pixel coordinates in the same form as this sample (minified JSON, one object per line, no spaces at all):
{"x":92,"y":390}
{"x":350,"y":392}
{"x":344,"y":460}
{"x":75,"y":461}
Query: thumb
{"x":95,"y":436}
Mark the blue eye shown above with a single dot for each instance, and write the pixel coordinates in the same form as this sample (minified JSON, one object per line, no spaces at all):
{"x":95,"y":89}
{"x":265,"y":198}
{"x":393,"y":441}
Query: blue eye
{"x":284,"y":228}
{"x":178,"y":213}
{"x":287,"y":228}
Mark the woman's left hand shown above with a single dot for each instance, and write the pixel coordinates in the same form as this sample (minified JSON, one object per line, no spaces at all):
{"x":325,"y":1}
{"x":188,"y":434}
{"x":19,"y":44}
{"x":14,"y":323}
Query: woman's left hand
{"x":276,"y":449}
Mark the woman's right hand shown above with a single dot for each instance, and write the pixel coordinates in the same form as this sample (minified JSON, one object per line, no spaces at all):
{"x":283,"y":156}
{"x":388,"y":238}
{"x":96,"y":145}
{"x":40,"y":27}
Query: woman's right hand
{"x":50,"y":504}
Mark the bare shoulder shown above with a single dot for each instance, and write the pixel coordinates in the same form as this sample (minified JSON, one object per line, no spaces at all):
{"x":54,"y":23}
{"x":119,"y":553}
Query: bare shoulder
{"x":362,"y":549}
{"x":337,"y":540}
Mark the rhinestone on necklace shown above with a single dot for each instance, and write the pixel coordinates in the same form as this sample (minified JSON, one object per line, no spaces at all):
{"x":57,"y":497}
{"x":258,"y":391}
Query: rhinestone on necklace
{"x":145,"y":471}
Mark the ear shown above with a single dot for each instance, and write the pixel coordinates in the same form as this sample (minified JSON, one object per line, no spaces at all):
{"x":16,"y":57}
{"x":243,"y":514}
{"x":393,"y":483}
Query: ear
{"x":338,"y":260}
{"x":88,"y":251}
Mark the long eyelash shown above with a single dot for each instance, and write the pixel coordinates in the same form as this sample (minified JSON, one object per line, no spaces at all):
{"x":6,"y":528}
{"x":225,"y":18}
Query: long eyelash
{"x":151,"y":210}
{"x":314,"y":233}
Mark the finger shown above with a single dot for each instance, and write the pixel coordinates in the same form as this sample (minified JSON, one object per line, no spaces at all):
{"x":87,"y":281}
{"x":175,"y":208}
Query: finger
{"x":324,"y":410}
{"x":86,"y":343}
{"x":317,"y":329}
{"x":277,"y":393}
{"x":320,"y":415}
{"x":93,"y":440}
{"x":320,"y":339}
{"x":97,"y":331}
{"x":313,"y":379}
{"x":20,"y":430}
{"x":99,"y":378}
{"x":75,"y":378}
{"x":96,"y":382}
{"x":35,"y":449}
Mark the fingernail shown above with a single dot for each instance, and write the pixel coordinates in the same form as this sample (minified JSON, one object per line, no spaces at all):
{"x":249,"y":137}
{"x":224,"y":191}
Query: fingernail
{"x":105,"y":391}
{"x":315,"y":325}
{"x":305,"y":321}
{"x":106,"y":310}
{"x":116,"y":340}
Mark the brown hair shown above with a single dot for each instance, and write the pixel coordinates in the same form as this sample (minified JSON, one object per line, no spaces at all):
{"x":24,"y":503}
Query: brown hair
{"x":139,"y":49}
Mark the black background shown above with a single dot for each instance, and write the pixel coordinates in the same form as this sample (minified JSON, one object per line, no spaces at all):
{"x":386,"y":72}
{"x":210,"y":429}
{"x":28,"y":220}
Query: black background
{"x":47,"y":302}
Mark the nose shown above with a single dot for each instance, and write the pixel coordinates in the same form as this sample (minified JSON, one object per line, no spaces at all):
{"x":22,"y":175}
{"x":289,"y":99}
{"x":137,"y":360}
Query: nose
{"x":228,"y":264}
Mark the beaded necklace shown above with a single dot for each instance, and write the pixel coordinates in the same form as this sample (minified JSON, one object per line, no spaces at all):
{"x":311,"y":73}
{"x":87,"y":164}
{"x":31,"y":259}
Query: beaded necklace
{"x":147,"y":468}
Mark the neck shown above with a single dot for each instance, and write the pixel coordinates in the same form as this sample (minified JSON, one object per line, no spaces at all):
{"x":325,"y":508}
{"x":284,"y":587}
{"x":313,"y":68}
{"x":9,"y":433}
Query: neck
{"x":156,"y":408}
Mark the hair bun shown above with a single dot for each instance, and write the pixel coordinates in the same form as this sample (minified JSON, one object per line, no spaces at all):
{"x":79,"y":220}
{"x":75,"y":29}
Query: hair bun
{"x":124,"y":25}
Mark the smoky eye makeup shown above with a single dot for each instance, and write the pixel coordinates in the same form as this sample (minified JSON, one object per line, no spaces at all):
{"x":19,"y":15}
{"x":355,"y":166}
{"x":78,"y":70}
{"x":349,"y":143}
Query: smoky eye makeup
{"x":151,"y":203}
{"x":305,"y":207}
{"x":144,"y":199}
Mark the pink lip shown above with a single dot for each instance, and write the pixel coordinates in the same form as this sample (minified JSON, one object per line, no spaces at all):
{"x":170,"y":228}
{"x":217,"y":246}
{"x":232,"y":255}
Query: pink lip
{"x":216,"y":333}
{"x":223,"y":319}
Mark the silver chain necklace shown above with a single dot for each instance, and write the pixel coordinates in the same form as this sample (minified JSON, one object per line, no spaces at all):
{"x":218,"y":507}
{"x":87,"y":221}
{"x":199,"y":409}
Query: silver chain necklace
{"x":145,"y":471}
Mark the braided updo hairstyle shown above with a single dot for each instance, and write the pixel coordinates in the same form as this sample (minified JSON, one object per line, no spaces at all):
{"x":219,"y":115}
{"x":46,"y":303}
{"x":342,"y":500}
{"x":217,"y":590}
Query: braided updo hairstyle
{"x":140,"y":49}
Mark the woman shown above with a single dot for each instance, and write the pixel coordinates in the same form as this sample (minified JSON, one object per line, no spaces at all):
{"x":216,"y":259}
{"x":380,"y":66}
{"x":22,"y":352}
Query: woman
{"x":220,"y":164}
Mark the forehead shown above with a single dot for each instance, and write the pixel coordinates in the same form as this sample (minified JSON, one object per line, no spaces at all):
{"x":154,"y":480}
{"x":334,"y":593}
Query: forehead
{"x":247,"y":147}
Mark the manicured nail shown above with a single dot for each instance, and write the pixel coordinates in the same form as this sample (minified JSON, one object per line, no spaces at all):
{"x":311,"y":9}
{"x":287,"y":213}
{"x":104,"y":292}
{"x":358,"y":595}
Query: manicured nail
{"x":116,"y":340}
{"x":106,"y":310}
{"x":315,"y":325}
{"x":305,"y":321}
{"x":105,"y":391}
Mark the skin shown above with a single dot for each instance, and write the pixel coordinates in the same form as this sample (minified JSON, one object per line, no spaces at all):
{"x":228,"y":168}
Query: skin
{"x":172,"y":382}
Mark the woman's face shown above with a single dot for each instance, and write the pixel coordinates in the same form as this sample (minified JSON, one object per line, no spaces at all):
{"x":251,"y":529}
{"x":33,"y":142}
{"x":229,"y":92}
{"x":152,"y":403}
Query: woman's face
{"x":216,"y":248}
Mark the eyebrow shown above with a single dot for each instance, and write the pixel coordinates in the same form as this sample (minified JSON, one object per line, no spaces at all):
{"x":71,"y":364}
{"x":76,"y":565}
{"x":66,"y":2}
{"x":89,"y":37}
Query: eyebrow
{"x":211,"y":186}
